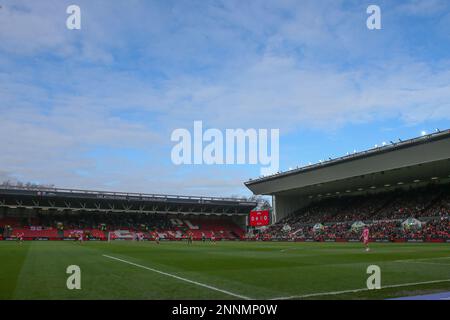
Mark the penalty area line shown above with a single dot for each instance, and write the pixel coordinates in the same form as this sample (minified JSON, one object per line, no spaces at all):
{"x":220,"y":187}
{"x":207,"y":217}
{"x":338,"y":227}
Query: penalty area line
{"x":318,"y":294}
{"x":180,"y":278}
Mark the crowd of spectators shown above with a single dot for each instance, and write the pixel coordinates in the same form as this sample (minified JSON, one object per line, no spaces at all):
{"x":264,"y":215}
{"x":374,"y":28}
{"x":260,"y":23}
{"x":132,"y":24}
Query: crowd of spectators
{"x":384,"y":213}
{"x":384,"y":230}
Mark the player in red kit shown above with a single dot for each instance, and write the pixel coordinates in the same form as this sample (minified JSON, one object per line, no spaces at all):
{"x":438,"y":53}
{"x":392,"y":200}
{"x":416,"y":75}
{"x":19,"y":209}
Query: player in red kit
{"x":365,"y":237}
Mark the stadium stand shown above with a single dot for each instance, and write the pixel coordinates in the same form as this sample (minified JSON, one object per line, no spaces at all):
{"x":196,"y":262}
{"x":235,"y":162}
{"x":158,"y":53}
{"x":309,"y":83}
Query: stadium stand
{"x":399,"y":189}
{"x":334,"y":219}
{"x":427,"y":208}
{"x":64,"y":214}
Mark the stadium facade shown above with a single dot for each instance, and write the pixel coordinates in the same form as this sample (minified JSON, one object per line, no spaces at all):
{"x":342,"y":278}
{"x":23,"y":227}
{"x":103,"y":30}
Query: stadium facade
{"x":412,"y":163}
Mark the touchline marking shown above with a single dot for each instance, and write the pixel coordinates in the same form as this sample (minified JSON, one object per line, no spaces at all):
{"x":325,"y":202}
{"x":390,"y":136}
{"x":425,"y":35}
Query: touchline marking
{"x":422,"y":262}
{"x":180,"y":278}
{"x":359,"y":290}
{"x":437,"y":258}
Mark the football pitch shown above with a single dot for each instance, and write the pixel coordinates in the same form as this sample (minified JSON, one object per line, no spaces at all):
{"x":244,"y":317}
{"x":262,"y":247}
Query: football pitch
{"x":225,"y":270}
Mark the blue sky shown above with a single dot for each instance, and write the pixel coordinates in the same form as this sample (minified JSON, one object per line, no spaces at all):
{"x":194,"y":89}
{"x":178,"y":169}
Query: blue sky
{"x":94,"y":108}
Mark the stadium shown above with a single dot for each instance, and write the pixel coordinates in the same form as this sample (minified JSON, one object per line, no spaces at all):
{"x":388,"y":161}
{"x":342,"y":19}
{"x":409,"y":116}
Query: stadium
{"x":146,"y":246}
{"x":165,"y":155}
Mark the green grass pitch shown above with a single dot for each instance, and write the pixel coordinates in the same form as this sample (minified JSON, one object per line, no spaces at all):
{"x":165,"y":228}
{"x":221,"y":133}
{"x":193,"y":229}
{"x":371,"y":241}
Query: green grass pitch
{"x":226,"y":270}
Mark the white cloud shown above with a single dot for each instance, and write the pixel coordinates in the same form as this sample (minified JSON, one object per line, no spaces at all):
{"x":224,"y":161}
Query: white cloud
{"x":280,"y":92}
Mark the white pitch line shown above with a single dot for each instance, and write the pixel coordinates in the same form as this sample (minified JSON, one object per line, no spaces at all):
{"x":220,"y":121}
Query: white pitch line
{"x":422,"y":262}
{"x":181,"y":278}
{"x":437,"y":258}
{"x":358,"y":290}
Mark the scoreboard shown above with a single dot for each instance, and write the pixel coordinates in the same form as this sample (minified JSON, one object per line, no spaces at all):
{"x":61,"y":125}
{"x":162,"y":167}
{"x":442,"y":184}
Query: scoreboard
{"x":259,"y":218}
